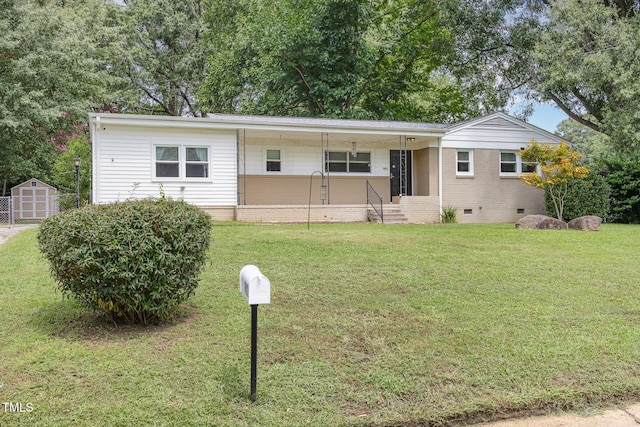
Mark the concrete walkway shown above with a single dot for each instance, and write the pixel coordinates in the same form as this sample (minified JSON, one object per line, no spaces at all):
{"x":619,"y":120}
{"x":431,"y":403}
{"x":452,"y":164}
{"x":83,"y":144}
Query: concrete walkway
{"x":7,"y":231}
{"x":627,"y":417}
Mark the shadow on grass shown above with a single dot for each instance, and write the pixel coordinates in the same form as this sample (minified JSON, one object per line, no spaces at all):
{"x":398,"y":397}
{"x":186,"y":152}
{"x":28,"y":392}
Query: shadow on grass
{"x":67,"y":319}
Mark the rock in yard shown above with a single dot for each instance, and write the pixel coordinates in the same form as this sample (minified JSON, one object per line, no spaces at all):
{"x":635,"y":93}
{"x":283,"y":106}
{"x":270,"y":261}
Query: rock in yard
{"x":530,"y":222}
{"x":586,"y":223}
{"x":540,"y":222}
{"x":552,"y":224}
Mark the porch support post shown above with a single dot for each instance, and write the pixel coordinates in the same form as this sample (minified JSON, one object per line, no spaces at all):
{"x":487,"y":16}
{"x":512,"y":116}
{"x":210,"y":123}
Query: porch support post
{"x":440,"y":177}
{"x":324,"y":186}
{"x":241,"y":136}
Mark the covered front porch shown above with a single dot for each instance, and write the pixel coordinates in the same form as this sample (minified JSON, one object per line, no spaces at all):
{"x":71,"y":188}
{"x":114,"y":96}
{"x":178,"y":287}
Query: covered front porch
{"x":326,"y":171}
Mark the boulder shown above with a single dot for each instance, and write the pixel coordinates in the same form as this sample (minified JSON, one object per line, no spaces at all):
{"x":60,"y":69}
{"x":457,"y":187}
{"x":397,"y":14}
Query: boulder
{"x":552,"y":224}
{"x":540,"y":222}
{"x":530,"y":222}
{"x":586,"y":223}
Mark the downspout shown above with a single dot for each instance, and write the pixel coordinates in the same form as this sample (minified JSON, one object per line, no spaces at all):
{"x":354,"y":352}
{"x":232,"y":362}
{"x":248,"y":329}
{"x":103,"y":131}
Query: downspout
{"x":244,"y":166}
{"x":440,"y":177}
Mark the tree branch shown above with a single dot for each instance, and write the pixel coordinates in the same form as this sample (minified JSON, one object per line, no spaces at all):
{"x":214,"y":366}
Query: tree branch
{"x":304,"y":80}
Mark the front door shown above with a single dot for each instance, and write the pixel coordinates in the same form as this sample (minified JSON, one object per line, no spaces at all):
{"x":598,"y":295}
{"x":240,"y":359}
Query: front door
{"x":400,"y":163}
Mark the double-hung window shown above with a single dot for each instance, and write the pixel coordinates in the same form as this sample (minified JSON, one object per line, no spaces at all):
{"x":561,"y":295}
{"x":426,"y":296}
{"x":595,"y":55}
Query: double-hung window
{"x":464,"y":163}
{"x":528,"y":167}
{"x":274,"y":161}
{"x":361,"y":162}
{"x":511,"y":164}
{"x":197,"y":162}
{"x":342,"y":161}
{"x":508,"y":163}
{"x":167,"y":162}
{"x":181,"y":162}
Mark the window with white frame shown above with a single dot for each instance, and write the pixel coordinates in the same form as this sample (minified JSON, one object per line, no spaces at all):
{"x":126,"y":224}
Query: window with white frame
{"x":179,"y":161}
{"x":343,"y":161}
{"x":274,"y":161}
{"x":361,"y":162}
{"x":528,"y":166}
{"x":197,"y":162}
{"x":511,"y":164}
{"x":464,"y":162}
{"x":167,"y":162}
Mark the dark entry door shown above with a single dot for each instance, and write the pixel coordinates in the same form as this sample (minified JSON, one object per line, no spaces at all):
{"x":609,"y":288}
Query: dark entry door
{"x":400,"y":163}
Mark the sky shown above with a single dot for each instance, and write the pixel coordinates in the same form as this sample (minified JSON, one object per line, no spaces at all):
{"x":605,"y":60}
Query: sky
{"x":547,"y":117}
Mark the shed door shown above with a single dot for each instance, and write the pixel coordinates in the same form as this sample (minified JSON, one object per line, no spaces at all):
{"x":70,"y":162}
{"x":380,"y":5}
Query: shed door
{"x":33,"y":203}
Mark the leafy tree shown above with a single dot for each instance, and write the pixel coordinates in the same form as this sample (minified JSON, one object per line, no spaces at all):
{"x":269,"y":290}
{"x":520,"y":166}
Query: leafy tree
{"x":330,"y":58}
{"x":162,"y":56}
{"x":64,"y":171}
{"x":558,"y":165}
{"x":52,"y":71}
{"x":592,"y":144}
{"x":580,"y":54}
{"x":588,"y":65}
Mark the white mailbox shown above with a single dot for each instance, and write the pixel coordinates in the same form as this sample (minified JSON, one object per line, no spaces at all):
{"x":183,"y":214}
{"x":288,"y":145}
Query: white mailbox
{"x":255,"y":287}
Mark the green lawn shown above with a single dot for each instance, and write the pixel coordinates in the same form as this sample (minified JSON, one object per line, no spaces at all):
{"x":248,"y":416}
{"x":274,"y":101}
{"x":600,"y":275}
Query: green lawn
{"x":368,"y":325}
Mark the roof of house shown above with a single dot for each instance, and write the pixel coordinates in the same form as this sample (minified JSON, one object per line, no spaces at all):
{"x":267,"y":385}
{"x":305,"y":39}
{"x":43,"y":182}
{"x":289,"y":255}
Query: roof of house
{"x":502,"y":120}
{"x":306,"y":124}
{"x":310,"y":124}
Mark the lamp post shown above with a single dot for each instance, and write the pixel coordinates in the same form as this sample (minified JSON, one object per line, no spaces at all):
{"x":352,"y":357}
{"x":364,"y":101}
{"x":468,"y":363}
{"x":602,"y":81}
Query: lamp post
{"x":76,"y":161}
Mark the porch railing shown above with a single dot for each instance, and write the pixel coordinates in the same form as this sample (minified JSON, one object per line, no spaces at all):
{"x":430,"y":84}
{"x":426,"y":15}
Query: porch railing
{"x":375,"y":201}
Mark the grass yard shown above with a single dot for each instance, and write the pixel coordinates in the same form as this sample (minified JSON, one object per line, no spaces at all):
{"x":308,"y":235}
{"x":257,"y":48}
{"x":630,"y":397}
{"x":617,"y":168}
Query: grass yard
{"x":368,"y":325}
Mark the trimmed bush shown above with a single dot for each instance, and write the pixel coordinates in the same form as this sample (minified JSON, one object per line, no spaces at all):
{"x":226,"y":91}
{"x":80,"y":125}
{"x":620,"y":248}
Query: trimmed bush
{"x":137,"y":260}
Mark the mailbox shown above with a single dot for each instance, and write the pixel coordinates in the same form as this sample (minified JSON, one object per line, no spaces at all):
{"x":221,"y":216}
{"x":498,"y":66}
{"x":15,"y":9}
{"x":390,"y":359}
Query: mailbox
{"x":255,"y":287}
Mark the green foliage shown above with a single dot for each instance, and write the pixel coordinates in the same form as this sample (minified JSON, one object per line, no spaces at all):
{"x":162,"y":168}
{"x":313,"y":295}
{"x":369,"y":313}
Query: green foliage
{"x":623,"y":176}
{"x":586,"y":58}
{"x":449,"y":215}
{"x":588,"y":196}
{"x":162,"y":55}
{"x":64,"y":172}
{"x":592,"y":144}
{"x":579,"y":54}
{"x":557,"y":164}
{"x":52,"y":71}
{"x":137,"y":260}
{"x":330,"y":58}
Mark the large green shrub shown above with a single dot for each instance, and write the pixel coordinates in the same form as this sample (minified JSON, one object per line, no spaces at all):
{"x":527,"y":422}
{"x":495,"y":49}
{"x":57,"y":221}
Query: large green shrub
{"x":137,"y":260}
{"x":623,"y":176}
{"x":588,"y":196}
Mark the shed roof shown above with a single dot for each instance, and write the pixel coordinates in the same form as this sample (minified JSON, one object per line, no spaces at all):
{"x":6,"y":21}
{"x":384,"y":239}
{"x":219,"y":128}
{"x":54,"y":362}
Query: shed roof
{"x":40,"y":184}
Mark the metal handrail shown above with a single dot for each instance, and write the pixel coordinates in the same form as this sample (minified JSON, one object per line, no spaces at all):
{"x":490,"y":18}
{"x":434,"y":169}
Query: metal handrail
{"x":373,"y":199}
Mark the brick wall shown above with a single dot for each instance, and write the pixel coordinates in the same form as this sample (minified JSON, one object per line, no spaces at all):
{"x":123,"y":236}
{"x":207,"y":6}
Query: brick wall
{"x":300,"y":214}
{"x":420,"y":209}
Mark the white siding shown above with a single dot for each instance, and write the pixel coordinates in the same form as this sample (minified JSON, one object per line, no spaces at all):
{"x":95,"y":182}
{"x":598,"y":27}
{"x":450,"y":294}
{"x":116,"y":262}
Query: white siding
{"x":304,"y":160}
{"x":495,"y":134}
{"x":124,"y":165}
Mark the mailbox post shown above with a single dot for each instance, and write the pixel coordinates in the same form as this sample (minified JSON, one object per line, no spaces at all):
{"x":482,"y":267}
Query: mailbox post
{"x":256,"y":288}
